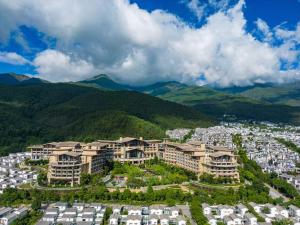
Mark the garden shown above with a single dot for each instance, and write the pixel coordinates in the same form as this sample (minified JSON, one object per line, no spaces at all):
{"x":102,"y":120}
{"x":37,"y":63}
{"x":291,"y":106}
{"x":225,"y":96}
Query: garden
{"x":152,"y":173}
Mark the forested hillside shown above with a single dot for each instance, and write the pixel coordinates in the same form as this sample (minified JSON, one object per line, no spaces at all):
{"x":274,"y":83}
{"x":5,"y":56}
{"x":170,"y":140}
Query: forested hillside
{"x":51,"y":112}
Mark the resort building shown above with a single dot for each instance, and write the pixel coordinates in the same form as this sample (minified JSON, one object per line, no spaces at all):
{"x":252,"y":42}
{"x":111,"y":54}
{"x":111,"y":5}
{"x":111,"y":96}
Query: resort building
{"x":133,"y":150}
{"x":68,"y":160}
{"x":42,"y":152}
{"x":66,"y":167}
{"x":199,"y":158}
{"x":69,"y":164}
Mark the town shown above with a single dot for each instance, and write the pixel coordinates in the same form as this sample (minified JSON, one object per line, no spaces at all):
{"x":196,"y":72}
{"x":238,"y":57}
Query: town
{"x":261,"y":142}
{"x":211,"y":154}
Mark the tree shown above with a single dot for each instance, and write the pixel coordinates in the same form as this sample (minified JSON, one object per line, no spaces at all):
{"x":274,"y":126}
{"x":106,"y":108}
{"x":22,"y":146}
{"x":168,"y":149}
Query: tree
{"x":107,"y":213}
{"x":36,"y":204}
{"x":42,"y":179}
{"x":282,"y":222}
{"x":266,"y":210}
{"x":197,"y":212}
{"x":85,"y":179}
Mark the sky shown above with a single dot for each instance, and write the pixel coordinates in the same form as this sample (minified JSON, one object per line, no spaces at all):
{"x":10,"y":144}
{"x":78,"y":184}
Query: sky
{"x":138,"y":42}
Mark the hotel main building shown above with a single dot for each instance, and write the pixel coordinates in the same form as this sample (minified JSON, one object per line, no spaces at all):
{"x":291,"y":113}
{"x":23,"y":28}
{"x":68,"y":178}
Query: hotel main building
{"x":68,"y":160}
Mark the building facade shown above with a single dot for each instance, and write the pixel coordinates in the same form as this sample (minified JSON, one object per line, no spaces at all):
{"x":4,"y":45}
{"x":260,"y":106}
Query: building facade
{"x":199,"y":158}
{"x":42,"y":152}
{"x":66,"y":167}
{"x":132,"y":150}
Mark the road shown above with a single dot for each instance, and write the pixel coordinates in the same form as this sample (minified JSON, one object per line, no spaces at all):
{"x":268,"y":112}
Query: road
{"x":185,"y":209}
{"x":276,"y":194}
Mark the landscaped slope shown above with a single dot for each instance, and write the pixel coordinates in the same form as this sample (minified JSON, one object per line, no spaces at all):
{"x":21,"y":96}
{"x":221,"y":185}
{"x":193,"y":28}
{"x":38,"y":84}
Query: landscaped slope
{"x":52,"y":112}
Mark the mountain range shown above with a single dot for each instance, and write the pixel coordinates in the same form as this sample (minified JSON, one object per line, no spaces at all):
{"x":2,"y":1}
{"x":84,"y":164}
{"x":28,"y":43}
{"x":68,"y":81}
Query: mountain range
{"x":17,"y":79}
{"x":238,"y":103}
{"x":288,"y":94}
{"x":35,"y":111}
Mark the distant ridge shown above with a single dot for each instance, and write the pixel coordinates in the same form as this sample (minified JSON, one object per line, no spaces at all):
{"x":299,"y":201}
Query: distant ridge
{"x":17,"y":79}
{"x":104,"y":82}
{"x":237,"y":89}
{"x":287,"y":94}
{"x":240,"y":103}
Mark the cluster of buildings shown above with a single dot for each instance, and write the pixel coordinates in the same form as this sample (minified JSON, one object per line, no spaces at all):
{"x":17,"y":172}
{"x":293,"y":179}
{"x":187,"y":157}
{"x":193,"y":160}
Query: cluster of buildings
{"x":217,"y":135}
{"x":292,"y":179}
{"x":8,"y":215}
{"x":229,"y":215}
{"x":240,"y":215}
{"x":68,"y":160}
{"x":93,"y":214}
{"x":178,"y":134}
{"x":272,"y":213}
{"x":77,"y":214}
{"x":261,"y":144}
{"x":10,"y":174}
{"x":152,"y":215}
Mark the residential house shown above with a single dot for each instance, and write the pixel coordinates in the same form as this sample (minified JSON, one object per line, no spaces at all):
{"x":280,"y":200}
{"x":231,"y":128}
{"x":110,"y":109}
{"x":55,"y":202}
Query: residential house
{"x":250,"y":219}
{"x":134,"y":220}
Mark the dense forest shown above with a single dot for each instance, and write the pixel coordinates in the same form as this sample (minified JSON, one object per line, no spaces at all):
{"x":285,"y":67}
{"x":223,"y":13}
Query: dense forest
{"x":37,"y":113}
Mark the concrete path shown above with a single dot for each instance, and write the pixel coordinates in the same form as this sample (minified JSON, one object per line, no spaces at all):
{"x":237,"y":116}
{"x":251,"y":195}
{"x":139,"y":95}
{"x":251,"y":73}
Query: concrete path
{"x":276,"y":194}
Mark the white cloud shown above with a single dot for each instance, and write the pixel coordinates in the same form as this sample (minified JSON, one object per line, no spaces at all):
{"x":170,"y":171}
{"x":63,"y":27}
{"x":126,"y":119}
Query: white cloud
{"x":140,"y":47}
{"x":197,"y":8}
{"x":264,"y":29}
{"x":13,"y":58}
{"x":56,"y":66}
{"x":201,"y":8}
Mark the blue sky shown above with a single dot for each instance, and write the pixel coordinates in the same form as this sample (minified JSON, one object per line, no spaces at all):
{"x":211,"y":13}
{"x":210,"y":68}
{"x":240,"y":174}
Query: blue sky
{"x":274,"y":12}
{"x":153,"y":40}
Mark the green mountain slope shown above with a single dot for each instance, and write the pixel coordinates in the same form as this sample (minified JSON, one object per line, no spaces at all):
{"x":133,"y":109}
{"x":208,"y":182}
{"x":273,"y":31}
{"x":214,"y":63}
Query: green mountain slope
{"x":52,"y":112}
{"x":17,"y":79}
{"x":288,"y":94}
{"x":226,"y":102}
{"x":161,"y":88}
{"x":217,"y":104}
